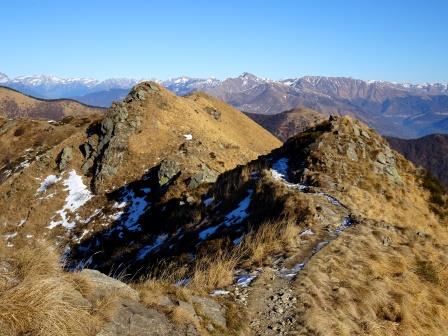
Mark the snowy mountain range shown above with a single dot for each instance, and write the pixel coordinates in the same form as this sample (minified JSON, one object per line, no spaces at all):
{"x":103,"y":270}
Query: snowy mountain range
{"x":398,"y":109}
{"x":48,"y":86}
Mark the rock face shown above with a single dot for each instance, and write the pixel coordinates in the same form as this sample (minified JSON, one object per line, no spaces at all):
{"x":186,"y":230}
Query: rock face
{"x":130,"y":318}
{"x":64,"y":158}
{"x":167,"y":170}
{"x":205,"y":175}
{"x":104,"y":150}
{"x":133,"y":319}
{"x":103,"y":285}
{"x":211,"y":310}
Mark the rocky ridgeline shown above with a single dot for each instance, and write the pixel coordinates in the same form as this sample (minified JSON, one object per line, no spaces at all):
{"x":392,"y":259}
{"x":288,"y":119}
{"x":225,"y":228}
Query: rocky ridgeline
{"x":107,"y":144}
{"x":320,"y":163}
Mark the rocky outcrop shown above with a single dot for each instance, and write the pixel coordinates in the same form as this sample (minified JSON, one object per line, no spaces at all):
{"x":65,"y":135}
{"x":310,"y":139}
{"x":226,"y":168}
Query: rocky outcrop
{"x":385,"y":163}
{"x":104,"y":150}
{"x":64,"y":158}
{"x":107,"y":144}
{"x":104,"y":284}
{"x":134,"y":319}
{"x":205,"y":175}
{"x":213,"y":112}
{"x":168,"y":169}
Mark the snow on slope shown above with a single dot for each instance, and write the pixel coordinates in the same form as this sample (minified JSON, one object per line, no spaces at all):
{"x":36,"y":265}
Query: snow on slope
{"x":78,"y":195}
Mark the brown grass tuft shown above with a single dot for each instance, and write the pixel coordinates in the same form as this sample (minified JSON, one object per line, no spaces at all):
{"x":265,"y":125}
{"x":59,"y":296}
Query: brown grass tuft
{"x":270,"y":238}
{"x":36,"y":299}
{"x":215,"y":270}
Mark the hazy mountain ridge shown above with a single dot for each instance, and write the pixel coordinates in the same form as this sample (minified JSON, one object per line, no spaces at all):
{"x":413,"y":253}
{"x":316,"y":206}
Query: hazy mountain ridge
{"x":430,"y":152}
{"x":401,"y":110}
{"x":14,"y":104}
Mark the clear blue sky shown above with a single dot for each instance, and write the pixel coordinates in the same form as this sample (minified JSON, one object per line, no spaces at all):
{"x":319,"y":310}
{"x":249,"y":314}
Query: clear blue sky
{"x":396,"y":40}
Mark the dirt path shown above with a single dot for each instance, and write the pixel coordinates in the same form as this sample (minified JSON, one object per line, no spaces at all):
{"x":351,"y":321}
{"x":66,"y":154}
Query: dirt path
{"x":271,"y":305}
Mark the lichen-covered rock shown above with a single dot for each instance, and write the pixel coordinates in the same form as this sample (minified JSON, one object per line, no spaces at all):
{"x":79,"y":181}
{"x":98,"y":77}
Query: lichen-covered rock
{"x":205,"y":175}
{"x":213,"y":112}
{"x":211,"y":310}
{"x":64,"y":158}
{"x":133,"y":319}
{"x":385,"y":164}
{"x":167,"y":170}
{"x":103,"y":285}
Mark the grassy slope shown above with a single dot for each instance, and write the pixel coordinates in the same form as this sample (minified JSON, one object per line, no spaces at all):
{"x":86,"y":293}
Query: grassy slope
{"x":14,"y":104}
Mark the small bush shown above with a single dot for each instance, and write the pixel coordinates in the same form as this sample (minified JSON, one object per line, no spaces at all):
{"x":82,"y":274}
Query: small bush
{"x":19,"y":132}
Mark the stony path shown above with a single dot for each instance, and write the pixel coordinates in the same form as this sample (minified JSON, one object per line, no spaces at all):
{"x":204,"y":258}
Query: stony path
{"x":271,"y":305}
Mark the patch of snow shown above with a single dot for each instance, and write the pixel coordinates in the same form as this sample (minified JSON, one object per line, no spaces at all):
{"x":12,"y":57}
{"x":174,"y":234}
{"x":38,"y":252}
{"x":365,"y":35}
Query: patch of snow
{"x":29,"y":236}
{"x":22,"y":221}
{"x":84,"y":233}
{"x":24,"y":164}
{"x":320,"y":246}
{"x":245,"y":279}
{"x":280,"y":169}
{"x":188,"y":137}
{"x":219,"y":292}
{"x":279,"y":172}
{"x":47,"y":196}
{"x":331,"y":199}
{"x":207,"y":202}
{"x":78,"y":195}
{"x":208,"y":232}
{"x":183,"y":282}
{"x":94,"y":214}
{"x":47,"y":183}
{"x":148,"y":248}
{"x":307,"y":232}
{"x":137,"y":207}
{"x":290,"y":273}
{"x":237,"y":215}
{"x":346,"y":223}
{"x":120,"y":205}
{"x":116,"y":216}
{"x":9,"y":235}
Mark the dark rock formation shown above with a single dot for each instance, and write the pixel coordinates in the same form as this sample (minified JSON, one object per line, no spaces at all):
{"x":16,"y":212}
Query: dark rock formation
{"x":205,"y":175}
{"x":168,"y":169}
{"x":64,"y":158}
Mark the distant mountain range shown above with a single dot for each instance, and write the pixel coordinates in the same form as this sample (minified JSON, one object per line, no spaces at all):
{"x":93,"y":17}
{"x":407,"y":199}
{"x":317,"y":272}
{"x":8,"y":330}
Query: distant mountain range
{"x":401,"y":110}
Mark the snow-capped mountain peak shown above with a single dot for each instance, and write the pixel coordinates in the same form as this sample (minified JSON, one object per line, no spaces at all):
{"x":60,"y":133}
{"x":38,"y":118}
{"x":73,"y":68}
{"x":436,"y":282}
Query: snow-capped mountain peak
{"x":3,"y":78}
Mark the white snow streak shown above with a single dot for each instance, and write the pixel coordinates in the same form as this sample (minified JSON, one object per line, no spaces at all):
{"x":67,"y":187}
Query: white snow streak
{"x":78,"y":195}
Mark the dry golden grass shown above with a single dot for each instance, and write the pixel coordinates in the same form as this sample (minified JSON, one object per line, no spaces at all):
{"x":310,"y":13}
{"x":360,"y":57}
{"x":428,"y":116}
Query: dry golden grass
{"x":270,"y":238}
{"x":16,"y":104}
{"x":359,"y":285}
{"x":215,"y":270}
{"x":41,"y":308}
{"x":36,"y":299}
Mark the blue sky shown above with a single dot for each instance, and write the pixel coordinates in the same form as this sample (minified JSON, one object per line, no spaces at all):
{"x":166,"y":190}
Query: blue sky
{"x":394,"y":40}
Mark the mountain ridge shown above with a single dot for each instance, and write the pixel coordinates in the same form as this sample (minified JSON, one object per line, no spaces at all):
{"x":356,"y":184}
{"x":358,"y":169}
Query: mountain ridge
{"x":400,"y":110}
